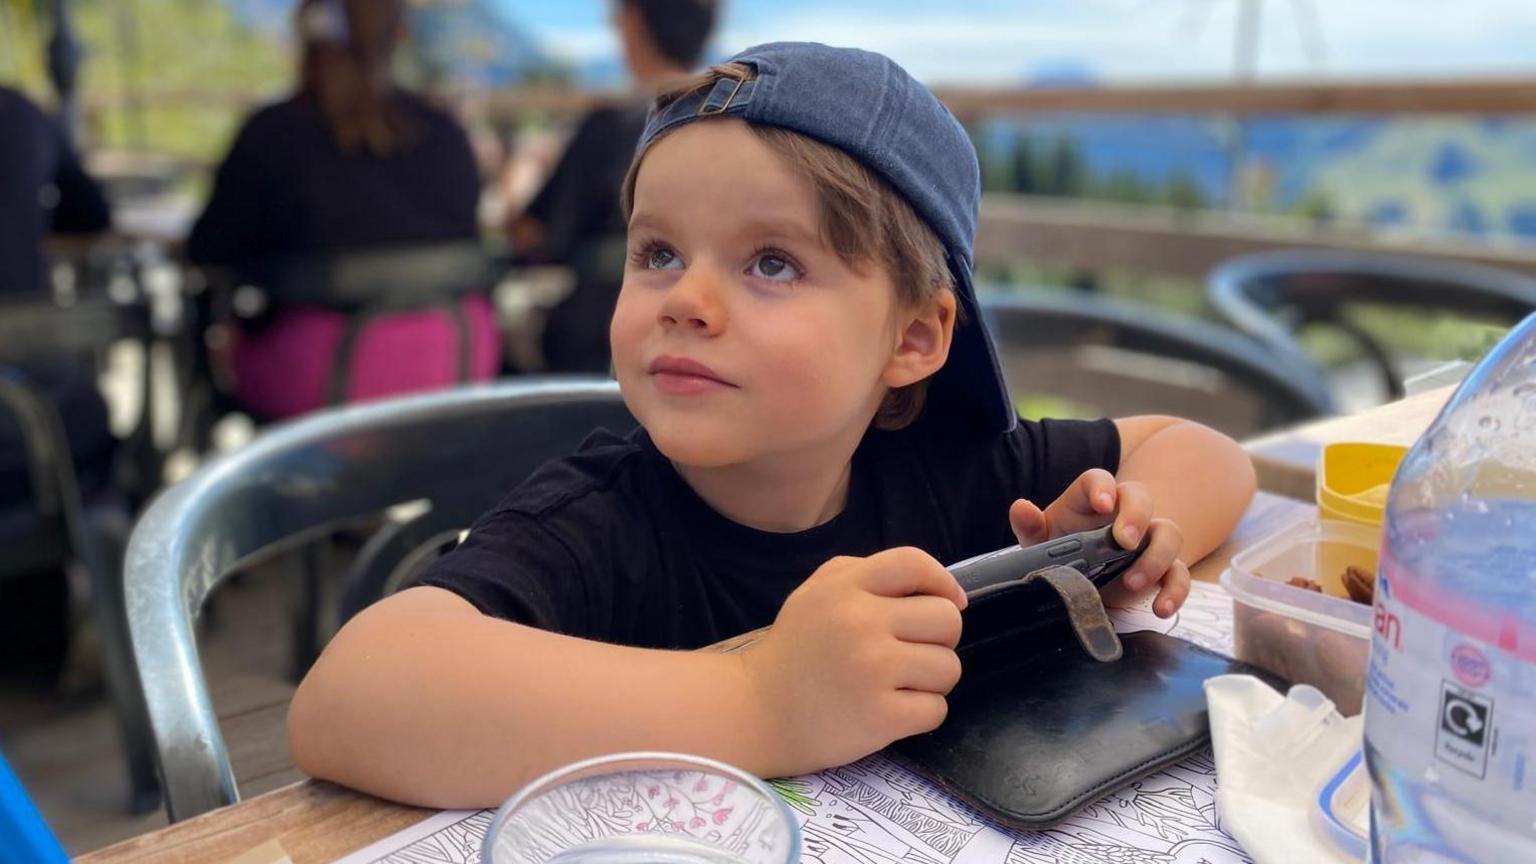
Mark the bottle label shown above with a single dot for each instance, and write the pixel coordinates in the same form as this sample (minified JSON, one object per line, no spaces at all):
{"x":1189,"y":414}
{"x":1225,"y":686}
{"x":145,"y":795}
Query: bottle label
{"x":1453,"y":713}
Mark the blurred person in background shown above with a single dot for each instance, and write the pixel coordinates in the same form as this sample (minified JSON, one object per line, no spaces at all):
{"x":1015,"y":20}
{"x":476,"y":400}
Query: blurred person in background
{"x":44,"y":189}
{"x":350,"y":161}
{"x":574,"y":220}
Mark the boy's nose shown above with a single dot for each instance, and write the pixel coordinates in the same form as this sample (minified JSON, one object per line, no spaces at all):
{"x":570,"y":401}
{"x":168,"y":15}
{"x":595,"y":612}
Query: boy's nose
{"x":694,"y":301}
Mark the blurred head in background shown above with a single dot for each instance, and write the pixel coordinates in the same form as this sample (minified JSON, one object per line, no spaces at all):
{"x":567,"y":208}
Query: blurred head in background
{"x":663,"y":38}
{"x":348,"y":49}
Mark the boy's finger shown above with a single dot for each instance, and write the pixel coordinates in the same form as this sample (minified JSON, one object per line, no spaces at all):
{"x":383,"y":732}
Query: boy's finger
{"x":1094,"y":492}
{"x":1135,"y":514}
{"x":930,"y":668}
{"x":906,"y":570}
{"x":916,"y":711}
{"x":924,"y":619}
{"x":1029,"y":523}
{"x":1174,"y":591}
{"x":1166,"y":542}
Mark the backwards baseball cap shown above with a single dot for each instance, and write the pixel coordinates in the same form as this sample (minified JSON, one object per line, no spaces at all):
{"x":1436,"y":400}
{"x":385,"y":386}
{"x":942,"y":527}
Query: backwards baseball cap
{"x":868,"y":107}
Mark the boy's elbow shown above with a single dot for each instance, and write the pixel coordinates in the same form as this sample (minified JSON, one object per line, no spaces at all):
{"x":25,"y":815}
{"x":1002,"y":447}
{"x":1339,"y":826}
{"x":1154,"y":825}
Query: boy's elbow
{"x":307,"y":729}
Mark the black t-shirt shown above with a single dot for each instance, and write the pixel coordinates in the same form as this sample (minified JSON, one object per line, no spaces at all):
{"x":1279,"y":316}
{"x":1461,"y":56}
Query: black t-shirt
{"x":286,"y":187}
{"x":611,"y":544}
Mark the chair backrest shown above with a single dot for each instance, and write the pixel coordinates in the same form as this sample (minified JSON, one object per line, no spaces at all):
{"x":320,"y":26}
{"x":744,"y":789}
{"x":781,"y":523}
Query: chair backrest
{"x":55,"y":498}
{"x":1116,"y":357}
{"x":1250,"y":291}
{"x":396,"y":277}
{"x":36,"y":330}
{"x":368,"y":284}
{"x":36,"y":327}
{"x":296,"y":482}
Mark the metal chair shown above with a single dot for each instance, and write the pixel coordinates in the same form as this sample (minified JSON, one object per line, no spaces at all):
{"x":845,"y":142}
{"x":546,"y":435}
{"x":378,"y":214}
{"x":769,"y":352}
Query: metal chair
{"x":1119,"y":358}
{"x":365,"y":285}
{"x":1270,"y":296}
{"x":60,"y":523}
{"x":452,"y":454}
{"x":39,"y":329}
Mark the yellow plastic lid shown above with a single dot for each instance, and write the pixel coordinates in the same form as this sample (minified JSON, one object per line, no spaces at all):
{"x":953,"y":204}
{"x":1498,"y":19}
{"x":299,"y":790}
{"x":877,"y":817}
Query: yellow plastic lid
{"x":1353,"y":479}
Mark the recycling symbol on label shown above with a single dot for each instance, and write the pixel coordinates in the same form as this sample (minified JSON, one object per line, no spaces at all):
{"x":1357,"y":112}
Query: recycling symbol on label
{"x":1464,"y":719}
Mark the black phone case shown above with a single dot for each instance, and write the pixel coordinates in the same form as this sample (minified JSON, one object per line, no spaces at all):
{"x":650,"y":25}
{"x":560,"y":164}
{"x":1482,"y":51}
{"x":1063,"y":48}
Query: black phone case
{"x":1037,"y":729}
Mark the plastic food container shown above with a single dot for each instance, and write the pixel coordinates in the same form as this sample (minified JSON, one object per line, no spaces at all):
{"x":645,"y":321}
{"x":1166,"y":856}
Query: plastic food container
{"x":1300,"y":635}
{"x":1341,"y":810}
{"x":1352,"y":484}
{"x":1353,"y":478}
{"x":657,"y":808}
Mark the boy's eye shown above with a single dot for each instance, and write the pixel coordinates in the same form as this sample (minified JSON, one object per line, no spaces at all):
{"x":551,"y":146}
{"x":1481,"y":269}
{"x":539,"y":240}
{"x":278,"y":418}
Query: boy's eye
{"x":776,"y":267}
{"x":662,"y":259}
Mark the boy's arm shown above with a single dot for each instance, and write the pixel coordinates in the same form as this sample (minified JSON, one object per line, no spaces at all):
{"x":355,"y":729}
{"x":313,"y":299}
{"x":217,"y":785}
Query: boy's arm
{"x":423,"y":699}
{"x":1198,"y":477}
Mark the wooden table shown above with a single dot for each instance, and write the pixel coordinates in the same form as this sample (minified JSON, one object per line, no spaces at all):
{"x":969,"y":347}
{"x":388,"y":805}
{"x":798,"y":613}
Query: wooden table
{"x":319,"y":822}
{"x":1286,"y":461}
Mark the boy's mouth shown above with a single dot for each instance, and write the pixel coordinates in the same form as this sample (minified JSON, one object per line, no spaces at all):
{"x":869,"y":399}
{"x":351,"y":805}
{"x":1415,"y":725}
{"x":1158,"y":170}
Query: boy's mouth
{"x":683,"y":376}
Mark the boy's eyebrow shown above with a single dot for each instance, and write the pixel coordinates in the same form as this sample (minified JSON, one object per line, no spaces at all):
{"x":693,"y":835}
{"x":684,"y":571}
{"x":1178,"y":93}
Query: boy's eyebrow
{"x":788,"y":228}
{"x":643,"y":219}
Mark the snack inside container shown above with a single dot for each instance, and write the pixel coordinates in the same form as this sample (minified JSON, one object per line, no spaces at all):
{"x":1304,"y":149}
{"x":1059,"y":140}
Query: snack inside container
{"x":1300,"y":635}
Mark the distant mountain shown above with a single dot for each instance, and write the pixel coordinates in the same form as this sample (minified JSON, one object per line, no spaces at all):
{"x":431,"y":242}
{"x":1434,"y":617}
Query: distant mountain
{"x":471,"y":41}
{"x":1476,"y":176}
{"x":1061,"y":72}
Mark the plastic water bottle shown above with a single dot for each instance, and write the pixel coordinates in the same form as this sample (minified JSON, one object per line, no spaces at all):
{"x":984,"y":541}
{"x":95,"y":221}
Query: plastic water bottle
{"x":1450,"y":710}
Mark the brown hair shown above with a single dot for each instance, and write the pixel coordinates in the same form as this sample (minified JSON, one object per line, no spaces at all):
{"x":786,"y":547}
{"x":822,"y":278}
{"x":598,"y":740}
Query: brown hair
{"x":345,"y":69}
{"x":862,"y":219}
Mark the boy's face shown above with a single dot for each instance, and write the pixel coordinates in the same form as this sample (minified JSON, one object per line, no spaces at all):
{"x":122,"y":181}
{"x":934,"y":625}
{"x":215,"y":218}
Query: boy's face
{"x":739,"y":335}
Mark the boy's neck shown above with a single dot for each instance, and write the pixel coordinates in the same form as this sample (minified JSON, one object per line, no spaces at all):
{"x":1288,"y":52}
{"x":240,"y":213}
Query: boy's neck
{"x":770,"y":495}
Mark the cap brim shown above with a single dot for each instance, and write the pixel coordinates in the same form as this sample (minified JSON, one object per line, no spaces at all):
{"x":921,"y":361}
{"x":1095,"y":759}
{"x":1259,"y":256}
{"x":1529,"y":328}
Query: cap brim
{"x":971,"y":384}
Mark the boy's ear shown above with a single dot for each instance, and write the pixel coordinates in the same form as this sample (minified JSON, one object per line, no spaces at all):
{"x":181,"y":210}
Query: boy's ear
{"x":922,"y":342}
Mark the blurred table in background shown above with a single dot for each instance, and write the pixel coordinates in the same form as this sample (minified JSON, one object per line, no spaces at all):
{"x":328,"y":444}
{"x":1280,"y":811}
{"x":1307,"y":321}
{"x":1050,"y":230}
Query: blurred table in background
{"x":165,"y":220}
{"x":1286,"y":461}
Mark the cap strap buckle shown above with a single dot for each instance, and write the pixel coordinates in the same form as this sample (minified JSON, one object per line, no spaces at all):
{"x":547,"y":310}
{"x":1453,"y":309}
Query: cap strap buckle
{"x":713,"y":104}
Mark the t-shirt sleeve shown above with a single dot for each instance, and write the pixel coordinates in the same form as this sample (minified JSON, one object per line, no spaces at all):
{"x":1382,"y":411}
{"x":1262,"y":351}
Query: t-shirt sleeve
{"x":1050,"y":454}
{"x":973,"y":483}
{"x":512,"y":567}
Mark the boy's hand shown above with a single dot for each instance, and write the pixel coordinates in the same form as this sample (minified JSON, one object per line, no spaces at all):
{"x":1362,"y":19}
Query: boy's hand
{"x":1093,"y":500}
{"x":861,"y":654}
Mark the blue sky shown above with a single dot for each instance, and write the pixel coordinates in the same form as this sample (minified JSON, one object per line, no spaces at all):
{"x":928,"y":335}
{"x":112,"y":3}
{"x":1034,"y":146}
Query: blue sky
{"x":1008,"y":41}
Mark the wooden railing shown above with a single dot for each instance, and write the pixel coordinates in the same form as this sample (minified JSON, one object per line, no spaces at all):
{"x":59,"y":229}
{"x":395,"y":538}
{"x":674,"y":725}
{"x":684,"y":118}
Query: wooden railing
{"x":1501,"y":96}
{"x":1092,"y":235}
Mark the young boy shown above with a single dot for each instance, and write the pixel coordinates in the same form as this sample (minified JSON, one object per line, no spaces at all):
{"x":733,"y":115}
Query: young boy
{"x":823,"y":424}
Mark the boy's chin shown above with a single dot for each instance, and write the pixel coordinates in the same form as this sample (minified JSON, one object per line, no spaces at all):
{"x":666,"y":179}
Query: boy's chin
{"x":697,"y":447}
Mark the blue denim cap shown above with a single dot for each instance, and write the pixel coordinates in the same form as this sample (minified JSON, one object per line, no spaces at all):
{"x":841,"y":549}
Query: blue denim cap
{"x":868,"y":107}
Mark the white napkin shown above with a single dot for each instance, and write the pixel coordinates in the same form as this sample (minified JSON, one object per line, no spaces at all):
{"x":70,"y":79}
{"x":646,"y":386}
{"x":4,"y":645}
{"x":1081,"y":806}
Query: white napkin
{"x":1273,"y":752}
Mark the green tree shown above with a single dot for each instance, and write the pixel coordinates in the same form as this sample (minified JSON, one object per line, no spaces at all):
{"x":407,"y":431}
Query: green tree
{"x":1064,"y":175}
{"x":1183,"y":193}
{"x":1025,"y":179}
{"x":1316,"y":207}
{"x":1125,"y":187}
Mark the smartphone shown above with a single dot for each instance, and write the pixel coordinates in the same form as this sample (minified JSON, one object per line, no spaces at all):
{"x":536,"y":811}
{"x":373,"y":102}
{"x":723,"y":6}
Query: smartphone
{"x":1093,"y":553}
